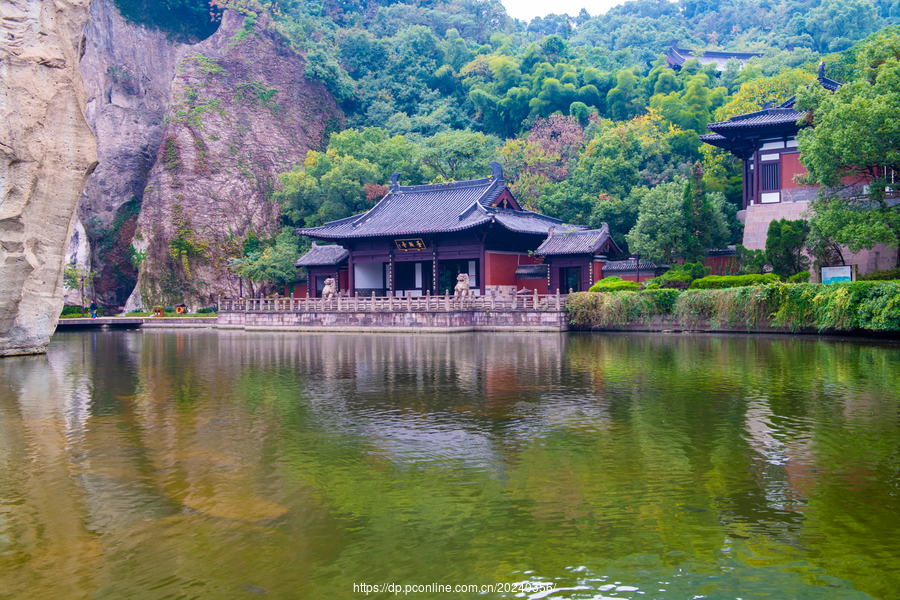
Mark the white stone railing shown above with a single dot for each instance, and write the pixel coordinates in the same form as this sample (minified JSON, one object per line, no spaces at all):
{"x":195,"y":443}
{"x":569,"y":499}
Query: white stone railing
{"x":373,"y":303}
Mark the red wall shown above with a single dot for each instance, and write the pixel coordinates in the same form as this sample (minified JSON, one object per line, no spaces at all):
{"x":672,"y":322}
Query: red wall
{"x":533,"y":284}
{"x":598,"y":271}
{"x":645,"y":275}
{"x":298,"y":289}
{"x":790,"y":166}
{"x":722,"y":265}
{"x":500,"y":269}
{"x":343,"y":280}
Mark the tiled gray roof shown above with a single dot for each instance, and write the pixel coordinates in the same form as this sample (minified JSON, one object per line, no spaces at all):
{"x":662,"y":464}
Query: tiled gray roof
{"x":768,"y":117}
{"x":435,"y":208}
{"x":532,"y":271}
{"x":587,"y":241}
{"x":323,"y":256}
{"x":678,"y":56}
{"x":629,"y":265}
{"x":783,"y":114}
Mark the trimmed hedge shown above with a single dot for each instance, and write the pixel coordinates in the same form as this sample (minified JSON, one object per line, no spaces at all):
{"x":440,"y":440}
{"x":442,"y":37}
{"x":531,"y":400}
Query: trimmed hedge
{"x":885,"y":275}
{"x":870,"y":305}
{"x":721,"y":282}
{"x":615,"y":284}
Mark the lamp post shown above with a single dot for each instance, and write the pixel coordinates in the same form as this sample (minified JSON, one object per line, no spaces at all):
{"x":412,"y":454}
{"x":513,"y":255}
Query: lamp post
{"x":637,"y":267}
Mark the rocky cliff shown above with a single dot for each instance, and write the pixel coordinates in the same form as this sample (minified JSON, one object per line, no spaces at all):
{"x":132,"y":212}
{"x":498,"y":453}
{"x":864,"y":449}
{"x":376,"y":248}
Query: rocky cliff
{"x":127,"y":70}
{"x":47,"y":152}
{"x":241,"y":112}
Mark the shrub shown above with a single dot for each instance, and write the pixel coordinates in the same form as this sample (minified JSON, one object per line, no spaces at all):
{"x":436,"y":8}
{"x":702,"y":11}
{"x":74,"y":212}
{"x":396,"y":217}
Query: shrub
{"x":207,"y":310}
{"x":885,"y":275}
{"x":71,"y":311}
{"x":615,"y":284}
{"x":733,"y":307}
{"x":663,"y":299}
{"x":718,"y":282}
{"x":799,"y":277}
{"x":679,"y":277}
{"x":610,"y":309}
{"x":841,"y":306}
{"x":872,"y":305}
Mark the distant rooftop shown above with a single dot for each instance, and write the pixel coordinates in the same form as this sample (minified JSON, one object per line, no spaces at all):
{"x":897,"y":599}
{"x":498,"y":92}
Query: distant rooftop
{"x":676,"y":57}
{"x":629,"y":265}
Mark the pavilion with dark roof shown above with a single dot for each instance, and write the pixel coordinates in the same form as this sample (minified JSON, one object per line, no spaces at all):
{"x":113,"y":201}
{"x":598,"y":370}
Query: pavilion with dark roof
{"x":574,"y":256}
{"x":418,"y":239}
{"x":768,"y":138}
{"x":676,"y":57}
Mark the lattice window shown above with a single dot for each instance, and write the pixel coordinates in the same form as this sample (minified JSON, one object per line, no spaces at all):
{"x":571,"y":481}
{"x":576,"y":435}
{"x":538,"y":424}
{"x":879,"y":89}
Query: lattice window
{"x":771,"y":177}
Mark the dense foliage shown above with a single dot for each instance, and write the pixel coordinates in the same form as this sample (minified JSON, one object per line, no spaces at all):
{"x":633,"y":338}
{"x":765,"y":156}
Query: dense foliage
{"x":589,"y":122}
{"x":870,"y":305}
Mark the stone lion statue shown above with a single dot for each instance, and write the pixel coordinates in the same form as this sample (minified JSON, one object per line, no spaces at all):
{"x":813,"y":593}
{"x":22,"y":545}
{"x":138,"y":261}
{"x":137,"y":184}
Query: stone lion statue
{"x":330,"y":290}
{"x":462,"y":285}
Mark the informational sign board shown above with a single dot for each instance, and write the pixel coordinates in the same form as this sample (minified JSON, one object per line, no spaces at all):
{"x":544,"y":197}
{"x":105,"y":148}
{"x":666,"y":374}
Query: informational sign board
{"x":410,"y":244}
{"x":837,"y":274}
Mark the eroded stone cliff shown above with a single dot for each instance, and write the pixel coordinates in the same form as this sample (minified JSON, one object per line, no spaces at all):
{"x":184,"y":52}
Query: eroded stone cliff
{"x":47,"y":152}
{"x":242,"y":112}
{"x":127,"y":70}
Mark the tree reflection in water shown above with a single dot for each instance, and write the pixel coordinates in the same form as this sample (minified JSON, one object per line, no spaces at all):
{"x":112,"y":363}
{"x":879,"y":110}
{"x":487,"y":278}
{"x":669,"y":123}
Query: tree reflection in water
{"x":210,"y":464}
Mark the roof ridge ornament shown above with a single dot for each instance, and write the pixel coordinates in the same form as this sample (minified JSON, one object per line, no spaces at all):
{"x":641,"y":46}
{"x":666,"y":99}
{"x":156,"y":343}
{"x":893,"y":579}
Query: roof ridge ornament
{"x":395,"y":181}
{"x":496,"y":171}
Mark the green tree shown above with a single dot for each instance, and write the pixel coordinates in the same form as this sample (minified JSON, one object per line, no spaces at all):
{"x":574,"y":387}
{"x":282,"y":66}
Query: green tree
{"x":457,"y":155}
{"x":851,"y":151}
{"x":620,"y":214}
{"x":658,"y":233}
{"x":273,"y":263}
{"x":75,"y":278}
{"x":705,"y":223}
{"x":835,"y":24}
{"x":785,"y":242}
{"x":623,"y":101}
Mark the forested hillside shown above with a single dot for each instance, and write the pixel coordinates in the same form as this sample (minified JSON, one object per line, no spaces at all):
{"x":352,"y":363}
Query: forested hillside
{"x":582,"y":111}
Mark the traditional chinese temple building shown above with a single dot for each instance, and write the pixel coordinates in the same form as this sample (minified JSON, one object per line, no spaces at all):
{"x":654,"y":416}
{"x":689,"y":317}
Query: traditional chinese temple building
{"x":575,"y":258}
{"x":418,"y":239}
{"x":766,"y":142}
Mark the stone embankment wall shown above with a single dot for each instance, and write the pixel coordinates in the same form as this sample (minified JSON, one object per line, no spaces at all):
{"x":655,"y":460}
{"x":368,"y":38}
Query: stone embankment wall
{"x":756,"y":229}
{"x":47,"y":151}
{"x":414,"y":322}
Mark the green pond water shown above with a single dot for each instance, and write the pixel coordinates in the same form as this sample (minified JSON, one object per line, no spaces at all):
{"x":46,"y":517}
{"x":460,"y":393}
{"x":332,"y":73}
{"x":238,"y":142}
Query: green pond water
{"x":232,"y":465}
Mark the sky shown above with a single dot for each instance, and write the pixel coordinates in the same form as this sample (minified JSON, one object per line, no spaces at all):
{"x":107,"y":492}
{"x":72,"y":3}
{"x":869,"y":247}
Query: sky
{"x":529,"y":9}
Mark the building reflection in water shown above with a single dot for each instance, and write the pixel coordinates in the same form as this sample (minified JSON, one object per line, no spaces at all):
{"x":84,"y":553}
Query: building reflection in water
{"x":220,"y":460}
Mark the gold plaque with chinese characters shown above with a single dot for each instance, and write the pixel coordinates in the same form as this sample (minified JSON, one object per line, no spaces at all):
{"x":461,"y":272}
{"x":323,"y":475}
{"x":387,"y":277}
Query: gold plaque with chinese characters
{"x":410,"y":244}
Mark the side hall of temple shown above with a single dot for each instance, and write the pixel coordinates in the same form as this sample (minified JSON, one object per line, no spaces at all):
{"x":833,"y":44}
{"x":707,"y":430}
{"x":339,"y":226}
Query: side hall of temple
{"x":766,"y":143}
{"x":417,"y":240}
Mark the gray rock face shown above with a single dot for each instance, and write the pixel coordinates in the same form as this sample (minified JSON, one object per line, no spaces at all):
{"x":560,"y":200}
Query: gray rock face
{"x":47,"y":152}
{"x":242,"y":112}
{"x":127,"y":71}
